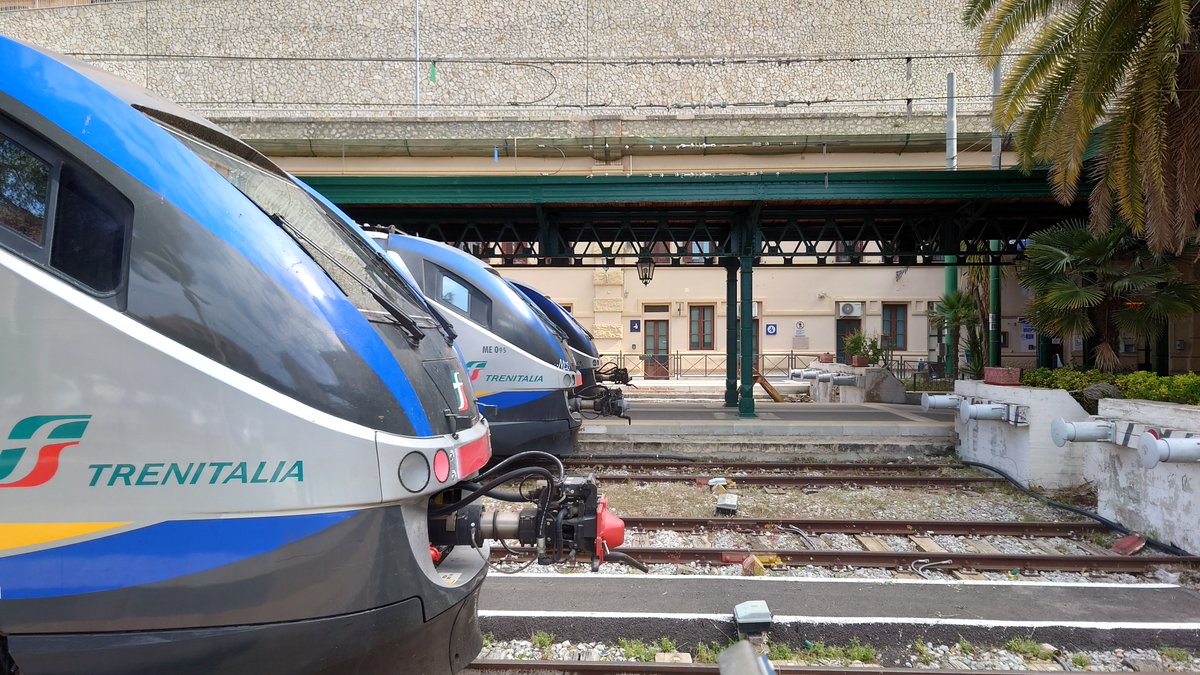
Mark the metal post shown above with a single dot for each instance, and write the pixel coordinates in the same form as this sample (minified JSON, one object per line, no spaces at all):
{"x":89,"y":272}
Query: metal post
{"x":951,"y":165}
{"x":731,"y":337}
{"x":994,"y":308}
{"x":417,"y":56}
{"x":994,"y":312}
{"x":746,"y":400}
{"x":997,"y":136}
{"x":1044,"y":358}
{"x":951,"y":125}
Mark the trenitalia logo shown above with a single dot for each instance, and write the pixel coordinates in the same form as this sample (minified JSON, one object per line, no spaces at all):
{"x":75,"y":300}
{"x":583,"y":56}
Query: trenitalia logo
{"x":460,"y":391}
{"x":63,"y":432}
{"x":476,"y":367}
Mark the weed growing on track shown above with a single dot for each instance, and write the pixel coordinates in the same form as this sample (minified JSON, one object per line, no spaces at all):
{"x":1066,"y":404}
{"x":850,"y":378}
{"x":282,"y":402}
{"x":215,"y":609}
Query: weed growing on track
{"x":1081,"y":660}
{"x":1176,"y":654}
{"x":857,"y":651}
{"x":543,"y":640}
{"x":707,"y":652}
{"x":1027,"y":647}
{"x":923,"y":652}
{"x":636,"y":650}
{"x":780,"y":651}
{"x":966,"y":647}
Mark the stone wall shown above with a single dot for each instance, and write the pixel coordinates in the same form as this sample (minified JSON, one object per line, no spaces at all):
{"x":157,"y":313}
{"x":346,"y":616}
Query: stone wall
{"x":538,"y":69}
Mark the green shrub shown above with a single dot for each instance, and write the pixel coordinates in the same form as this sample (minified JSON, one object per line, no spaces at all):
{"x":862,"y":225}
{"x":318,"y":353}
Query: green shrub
{"x":1142,"y":384}
{"x":1071,"y":379}
{"x":1173,"y":388}
{"x":1081,"y":661}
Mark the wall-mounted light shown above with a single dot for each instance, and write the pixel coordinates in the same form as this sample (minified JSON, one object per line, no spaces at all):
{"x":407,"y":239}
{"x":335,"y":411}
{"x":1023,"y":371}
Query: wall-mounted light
{"x":1179,"y":345}
{"x":679,"y":308}
{"x":645,"y":269}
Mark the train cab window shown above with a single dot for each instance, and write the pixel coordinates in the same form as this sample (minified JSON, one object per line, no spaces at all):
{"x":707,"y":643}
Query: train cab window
{"x":460,"y":295}
{"x":91,"y":225}
{"x":24,"y":190}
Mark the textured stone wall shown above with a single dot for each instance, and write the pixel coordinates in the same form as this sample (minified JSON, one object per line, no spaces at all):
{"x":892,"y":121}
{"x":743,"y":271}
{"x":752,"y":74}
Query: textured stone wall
{"x":541,"y":68}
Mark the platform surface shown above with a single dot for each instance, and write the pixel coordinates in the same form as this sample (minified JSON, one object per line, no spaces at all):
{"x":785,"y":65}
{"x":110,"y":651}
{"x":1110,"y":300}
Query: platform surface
{"x":1092,"y":614}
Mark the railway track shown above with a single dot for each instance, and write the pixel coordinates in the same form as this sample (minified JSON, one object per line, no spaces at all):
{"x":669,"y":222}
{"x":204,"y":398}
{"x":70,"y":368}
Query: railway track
{"x":782,"y":480}
{"x":917,"y":554}
{"x":733,"y":467}
{"x":967,"y":528}
{"x":782,"y":474}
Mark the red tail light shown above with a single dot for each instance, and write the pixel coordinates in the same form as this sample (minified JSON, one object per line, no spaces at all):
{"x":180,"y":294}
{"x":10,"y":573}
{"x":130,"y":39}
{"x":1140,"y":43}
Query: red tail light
{"x":473,"y":455}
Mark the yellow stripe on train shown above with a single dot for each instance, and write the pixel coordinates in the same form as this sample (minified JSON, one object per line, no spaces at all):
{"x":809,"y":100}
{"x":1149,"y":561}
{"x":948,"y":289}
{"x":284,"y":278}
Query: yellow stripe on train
{"x":20,"y":535}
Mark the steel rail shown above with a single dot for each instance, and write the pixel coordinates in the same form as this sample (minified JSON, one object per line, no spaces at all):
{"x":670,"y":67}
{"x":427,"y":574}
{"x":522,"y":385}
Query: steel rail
{"x":993,"y":562}
{"x":636,"y":668}
{"x":824,"y":526}
{"x":815,"y":481}
{"x":830,"y":467}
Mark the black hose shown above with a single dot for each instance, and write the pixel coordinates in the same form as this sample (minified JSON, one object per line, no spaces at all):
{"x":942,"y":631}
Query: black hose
{"x":1153,"y":543}
{"x":495,"y":494}
{"x":490,"y":485}
{"x":523,"y":455}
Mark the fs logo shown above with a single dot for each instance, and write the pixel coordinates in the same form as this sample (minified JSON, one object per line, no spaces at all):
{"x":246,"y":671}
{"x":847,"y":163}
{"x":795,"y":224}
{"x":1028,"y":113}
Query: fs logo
{"x":460,"y":391}
{"x":476,"y":367}
{"x":63,"y":432}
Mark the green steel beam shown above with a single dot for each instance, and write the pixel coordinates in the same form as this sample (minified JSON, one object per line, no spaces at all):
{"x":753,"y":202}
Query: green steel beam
{"x":856,"y":186}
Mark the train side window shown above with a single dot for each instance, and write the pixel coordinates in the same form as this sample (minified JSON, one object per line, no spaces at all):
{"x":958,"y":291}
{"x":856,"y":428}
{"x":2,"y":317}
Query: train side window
{"x":24,"y":190}
{"x":461,"y":296}
{"x":91,"y":229}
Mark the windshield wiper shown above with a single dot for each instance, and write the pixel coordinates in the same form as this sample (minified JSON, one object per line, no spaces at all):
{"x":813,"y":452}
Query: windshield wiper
{"x":411,"y":328}
{"x":383,"y":263}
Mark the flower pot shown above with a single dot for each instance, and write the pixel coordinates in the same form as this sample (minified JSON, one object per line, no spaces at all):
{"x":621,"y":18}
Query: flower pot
{"x":825,"y":358}
{"x":859,"y":361}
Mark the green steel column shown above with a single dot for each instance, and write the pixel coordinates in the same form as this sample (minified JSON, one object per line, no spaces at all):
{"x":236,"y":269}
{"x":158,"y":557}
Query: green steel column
{"x":731,"y":336}
{"x":746,"y":401}
{"x":994,"y":308}
{"x":951,"y":287}
{"x":1044,"y":358}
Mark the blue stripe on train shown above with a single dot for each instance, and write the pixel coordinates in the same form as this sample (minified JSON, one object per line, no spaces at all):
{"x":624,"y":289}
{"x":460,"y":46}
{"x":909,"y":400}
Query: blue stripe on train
{"x":512,"y":399}
{"x":153,"y":554}
{"x":101,"y":120}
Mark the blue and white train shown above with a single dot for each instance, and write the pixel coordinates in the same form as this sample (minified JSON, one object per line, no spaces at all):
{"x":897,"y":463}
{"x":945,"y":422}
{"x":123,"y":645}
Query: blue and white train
{"x":235,"y":438}
{"x":592,"y":394}
{"x":521,"y":366}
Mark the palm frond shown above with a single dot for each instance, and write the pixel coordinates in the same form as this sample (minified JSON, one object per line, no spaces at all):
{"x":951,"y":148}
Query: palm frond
{"x":1007,"y":21}
{"x":1067,"y":296}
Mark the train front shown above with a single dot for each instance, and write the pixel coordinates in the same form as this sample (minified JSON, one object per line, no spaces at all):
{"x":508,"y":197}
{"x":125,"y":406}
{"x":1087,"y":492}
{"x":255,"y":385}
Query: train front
{"x":225,"y":415}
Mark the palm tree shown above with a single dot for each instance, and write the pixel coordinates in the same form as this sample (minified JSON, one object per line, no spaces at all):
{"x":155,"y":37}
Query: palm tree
{"x":1132,"y":65}
{"x":955,"y":310}
{"x":1101,"y":286}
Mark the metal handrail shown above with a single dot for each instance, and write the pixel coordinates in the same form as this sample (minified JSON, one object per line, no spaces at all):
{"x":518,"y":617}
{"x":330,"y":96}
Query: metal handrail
{"x":679,"y":365}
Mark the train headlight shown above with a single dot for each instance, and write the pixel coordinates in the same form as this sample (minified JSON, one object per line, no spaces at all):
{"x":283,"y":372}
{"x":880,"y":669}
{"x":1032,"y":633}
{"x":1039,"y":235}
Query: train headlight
{"x":414,"y":471}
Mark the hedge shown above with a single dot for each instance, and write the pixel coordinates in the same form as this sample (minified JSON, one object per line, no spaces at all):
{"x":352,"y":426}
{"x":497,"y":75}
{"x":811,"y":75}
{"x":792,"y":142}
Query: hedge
{"x":1140,"y":385}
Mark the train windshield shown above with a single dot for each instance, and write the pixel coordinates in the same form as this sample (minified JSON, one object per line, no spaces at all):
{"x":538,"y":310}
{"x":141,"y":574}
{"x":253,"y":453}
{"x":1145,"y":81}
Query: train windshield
{"x":370,"y":283}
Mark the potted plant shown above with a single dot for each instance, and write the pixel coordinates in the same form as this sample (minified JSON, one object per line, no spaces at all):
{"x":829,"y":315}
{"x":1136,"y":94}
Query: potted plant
{"x":862,"y":350}
{"x":856,"y":348}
